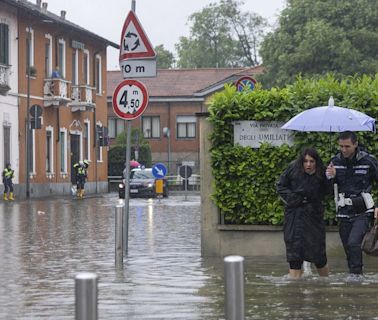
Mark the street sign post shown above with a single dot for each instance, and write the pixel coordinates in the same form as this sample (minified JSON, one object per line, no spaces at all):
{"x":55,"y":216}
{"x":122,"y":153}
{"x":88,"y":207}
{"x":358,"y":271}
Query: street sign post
{"x":185,"y":173}
{"x":245,"y":82}
{"x":130,"y":99}
{"x":138,"y":68}
{"x":159,"y":170}
{"x":134,"y":41}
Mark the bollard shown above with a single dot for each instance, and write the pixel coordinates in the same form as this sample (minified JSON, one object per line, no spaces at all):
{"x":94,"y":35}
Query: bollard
{"x":86,"y":296}
{"x":234,"y":287}
{"x":119,"y":234}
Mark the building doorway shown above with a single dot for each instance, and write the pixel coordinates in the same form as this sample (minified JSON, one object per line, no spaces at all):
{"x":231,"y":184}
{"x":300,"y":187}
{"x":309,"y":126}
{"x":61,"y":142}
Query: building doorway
{"x":75,"y":154}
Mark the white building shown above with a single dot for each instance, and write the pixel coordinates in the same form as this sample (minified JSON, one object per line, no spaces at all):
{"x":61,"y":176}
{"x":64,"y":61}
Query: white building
{"x":9,"y":144}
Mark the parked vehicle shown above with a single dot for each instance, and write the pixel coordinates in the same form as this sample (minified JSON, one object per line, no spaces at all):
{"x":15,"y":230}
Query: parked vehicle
{"x":143,"y":184}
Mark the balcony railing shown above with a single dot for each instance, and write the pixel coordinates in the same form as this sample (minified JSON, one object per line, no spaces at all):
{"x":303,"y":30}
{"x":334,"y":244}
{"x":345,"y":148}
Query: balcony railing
{"x":56,"y":92}
{"x":82,"y":98}
{"x":4,"y":79}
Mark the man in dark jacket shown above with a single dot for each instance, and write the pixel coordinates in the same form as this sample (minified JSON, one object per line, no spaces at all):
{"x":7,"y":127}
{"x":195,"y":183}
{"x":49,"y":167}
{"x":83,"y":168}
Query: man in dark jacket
{"x":353,"y":171}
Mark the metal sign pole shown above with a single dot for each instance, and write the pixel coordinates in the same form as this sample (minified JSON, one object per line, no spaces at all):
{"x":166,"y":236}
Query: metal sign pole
{"x":127,"y":186}
{"x":186,"y":183}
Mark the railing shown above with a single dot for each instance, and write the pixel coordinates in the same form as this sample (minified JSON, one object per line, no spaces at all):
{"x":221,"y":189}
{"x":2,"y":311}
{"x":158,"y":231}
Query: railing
{"x":56,"y":92}
{"x":177,"y":182}
{"x":4,"y":79}
{"x":82,"y":98}
{"x":174,"y":183}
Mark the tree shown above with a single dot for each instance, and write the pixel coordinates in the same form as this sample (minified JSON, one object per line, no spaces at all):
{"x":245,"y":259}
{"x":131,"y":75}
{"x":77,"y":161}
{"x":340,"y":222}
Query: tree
{"x":248,"y":28}
{"x":221,"y":36}
{"x":165,"y":58}
{"x":316,"y":36}
{"x":117,"y":152}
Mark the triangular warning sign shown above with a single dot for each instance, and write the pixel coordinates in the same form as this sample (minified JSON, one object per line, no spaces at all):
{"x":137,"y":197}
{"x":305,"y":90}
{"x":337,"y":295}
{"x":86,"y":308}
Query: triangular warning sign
{"x":134,"y":42}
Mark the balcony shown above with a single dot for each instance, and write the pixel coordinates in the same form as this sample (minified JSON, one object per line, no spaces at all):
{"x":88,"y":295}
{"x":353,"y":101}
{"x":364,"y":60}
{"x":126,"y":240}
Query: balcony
{"x":56,"y":92}
{"x":4,"y":79}
{"x":82,"y":98}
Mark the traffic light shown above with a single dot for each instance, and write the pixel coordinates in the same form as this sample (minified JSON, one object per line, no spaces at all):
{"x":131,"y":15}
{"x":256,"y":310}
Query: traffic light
{"x":106,"y":136}
{"x":100,"y":132}
{"x":103,"y":136}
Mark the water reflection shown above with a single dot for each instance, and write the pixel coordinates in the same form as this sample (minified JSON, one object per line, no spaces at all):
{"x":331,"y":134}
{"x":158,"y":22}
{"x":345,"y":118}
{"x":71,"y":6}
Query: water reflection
{"x":44,"y":244}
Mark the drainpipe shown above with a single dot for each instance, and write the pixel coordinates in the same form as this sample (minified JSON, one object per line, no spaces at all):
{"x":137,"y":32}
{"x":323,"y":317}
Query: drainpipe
{"x":169,"y":138}
{"x":95,"y":123}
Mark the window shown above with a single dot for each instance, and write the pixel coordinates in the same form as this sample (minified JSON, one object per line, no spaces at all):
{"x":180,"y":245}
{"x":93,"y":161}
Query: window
{"x":48,"y":57}
{"x":186,"y":126}
{"x":75,"y":56}
{"x":98,"y":75}
{"x":116,"y":127}
{"x":112,"y":127}
{"x":4,"y":44}
{"x":86,"y":140}
{"x":49,"y":150}
{"x":62,"y":57}
{"x":63,"y":150}
{"x":151,"y":126}
{"x":7,"y":144}
{"x":29,"y":48}
{"x":86,"y":67}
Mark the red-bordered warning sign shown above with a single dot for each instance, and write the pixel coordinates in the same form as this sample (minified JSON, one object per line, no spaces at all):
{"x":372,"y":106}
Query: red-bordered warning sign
{"x":245,"y":82}
{"x":130,"y":99}
{"x":134,"y":42}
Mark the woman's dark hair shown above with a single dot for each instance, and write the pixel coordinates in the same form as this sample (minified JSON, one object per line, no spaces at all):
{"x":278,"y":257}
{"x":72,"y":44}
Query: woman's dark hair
{"x":319,"y":166}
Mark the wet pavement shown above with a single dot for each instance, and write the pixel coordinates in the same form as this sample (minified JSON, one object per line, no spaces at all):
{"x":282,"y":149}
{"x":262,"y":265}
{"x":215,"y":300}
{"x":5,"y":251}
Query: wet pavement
{"x":45,"y":243}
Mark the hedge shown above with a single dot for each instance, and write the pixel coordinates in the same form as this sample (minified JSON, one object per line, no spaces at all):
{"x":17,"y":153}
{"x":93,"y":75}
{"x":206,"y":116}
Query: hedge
{"x":245,"y":178}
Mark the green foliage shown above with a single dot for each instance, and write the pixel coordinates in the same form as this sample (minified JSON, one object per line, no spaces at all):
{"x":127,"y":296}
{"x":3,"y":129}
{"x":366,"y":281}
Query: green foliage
{"x":245,"y":178}
{"x":317,"y":36}
{"x":117,"y":152}
{"x":221,"y":36}
{"x":165,"y":58}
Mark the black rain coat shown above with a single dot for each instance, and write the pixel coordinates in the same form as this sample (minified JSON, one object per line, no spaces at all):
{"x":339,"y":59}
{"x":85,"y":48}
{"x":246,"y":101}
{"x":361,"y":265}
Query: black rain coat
{"x":304,"y":227}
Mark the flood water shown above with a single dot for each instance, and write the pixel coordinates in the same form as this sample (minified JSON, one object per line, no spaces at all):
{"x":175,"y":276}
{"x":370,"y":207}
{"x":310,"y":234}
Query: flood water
{"x":45,"y":243}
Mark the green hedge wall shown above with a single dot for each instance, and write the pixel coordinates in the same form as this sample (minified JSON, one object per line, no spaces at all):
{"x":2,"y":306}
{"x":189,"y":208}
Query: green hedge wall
{"x":245,"y":178}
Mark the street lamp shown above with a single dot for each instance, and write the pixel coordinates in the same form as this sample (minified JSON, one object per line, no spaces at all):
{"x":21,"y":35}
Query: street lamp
{"x":167,"y":134}
{"x":28,"y":129}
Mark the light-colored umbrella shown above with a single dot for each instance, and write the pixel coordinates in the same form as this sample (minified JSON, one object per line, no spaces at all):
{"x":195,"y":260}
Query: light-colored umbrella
{"x":330,"y":119}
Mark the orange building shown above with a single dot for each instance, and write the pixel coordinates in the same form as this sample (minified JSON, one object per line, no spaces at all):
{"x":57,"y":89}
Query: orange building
{"x":62,"y":96}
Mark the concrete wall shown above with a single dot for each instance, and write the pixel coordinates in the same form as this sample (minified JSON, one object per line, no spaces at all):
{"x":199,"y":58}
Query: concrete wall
{"x":221,"y":240}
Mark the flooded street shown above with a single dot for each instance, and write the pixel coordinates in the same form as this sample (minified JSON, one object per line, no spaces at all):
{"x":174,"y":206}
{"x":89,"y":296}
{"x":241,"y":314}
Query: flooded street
{"x":45,"y":243}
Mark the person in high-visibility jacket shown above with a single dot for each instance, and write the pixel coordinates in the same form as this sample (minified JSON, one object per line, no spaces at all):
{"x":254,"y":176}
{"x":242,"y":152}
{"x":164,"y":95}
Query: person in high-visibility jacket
{"x":81,"y":176}
{"x":8,"y":174}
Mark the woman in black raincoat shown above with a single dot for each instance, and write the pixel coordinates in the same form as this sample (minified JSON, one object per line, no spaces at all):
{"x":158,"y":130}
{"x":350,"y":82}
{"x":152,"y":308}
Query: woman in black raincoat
{"x":302,"y":188}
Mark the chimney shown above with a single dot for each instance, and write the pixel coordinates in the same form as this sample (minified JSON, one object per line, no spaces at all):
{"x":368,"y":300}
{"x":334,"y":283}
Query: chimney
{"x":39,"y":3}
{"x":63,"y":14}
{"x":44,"y":6}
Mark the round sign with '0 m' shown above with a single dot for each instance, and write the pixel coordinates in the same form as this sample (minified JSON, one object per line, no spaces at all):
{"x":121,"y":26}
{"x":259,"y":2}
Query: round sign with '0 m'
{"x":130,"y":99}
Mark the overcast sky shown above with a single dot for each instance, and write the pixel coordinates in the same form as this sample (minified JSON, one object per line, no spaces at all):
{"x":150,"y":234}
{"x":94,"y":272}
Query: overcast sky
{"x":164,"y":21}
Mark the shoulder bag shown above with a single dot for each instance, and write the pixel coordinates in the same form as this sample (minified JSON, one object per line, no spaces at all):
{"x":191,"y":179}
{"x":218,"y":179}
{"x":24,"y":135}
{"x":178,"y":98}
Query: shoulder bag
{"x":369,"y":243}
